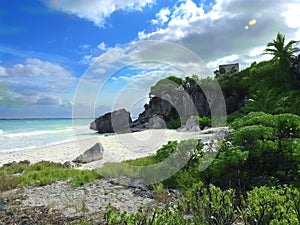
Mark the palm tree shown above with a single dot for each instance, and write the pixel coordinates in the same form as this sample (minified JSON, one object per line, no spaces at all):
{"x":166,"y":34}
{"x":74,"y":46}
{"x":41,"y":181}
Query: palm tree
{"x":283,"y":53}
{"x":266,"y":101}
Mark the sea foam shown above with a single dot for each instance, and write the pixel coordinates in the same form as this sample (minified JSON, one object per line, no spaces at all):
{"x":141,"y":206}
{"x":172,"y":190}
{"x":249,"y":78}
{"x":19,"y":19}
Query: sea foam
{"x":36,"y":133}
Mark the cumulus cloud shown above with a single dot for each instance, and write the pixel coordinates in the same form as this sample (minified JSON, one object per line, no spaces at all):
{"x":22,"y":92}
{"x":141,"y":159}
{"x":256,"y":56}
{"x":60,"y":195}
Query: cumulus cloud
{"x":3,"y":72}
{"x":36,"y":67}
{"x":49,"y":100}
{"x":96,"y":10}
{"x":161,"y":17}
{"x":102,"y":46}
{"x":219,"y":32}
{"x":37,"y":82}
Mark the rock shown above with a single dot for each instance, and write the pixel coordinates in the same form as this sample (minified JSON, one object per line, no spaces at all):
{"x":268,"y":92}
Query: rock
{"x":10,"y":164}
{"x":93,"y":154}
{"x":295,"y":71}
{"x":189,"y":100}
{"x":143,"y":193}
{"x":93,"y":125}
{"x":157,"y":123}
{"x":129,"y":182}
{"x":115,"y":122}
{"x":192,"y":124}
{"x":67,"y":164}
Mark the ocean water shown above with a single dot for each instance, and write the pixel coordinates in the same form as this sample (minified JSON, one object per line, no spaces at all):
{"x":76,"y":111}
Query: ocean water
{"x":19,"y":134}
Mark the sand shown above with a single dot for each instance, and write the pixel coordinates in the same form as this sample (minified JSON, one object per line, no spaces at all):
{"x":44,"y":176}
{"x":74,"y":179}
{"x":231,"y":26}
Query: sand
{"x":117,"y":147}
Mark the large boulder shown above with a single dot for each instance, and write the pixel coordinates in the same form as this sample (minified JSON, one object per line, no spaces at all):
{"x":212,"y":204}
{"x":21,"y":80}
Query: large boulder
{"x":192,"y":124}
{"x":95,"y":153}
{"x":157,"y":123}
{"x":115,"y":122}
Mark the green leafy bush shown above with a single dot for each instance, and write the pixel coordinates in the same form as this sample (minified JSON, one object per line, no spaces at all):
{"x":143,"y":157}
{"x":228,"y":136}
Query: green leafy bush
{"x":270,"y":205}
{"x":210,"y":205}
{"x":166,"y":85}
{"x":204,"y":122}
{"x":263,"y":149}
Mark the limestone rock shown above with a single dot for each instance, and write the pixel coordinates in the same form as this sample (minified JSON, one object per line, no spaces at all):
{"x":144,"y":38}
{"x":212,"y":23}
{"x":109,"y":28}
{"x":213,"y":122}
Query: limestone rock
{"x":192,"y":124}
{"x":93,"y":154}
{"x":115,"y":122}
{"x":157,"y":123}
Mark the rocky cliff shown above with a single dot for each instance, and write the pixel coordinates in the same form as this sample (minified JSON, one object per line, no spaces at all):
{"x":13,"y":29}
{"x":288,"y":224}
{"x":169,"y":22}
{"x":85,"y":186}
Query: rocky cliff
{"x":170,"y":103}
{"x":186,"y":100}
{"x":295,"y":72}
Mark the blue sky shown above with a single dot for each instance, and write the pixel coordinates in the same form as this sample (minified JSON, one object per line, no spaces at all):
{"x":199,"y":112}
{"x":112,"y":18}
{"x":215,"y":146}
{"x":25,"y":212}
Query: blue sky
{"x":59,"y":58}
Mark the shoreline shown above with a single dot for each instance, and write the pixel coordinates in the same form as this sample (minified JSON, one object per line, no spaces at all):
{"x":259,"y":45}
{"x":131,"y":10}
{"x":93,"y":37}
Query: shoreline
{"x":117,"y":147}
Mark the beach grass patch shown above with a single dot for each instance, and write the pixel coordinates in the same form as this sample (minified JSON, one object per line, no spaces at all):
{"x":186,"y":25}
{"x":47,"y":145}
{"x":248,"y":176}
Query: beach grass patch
{"x":132,"y":168}
{"x":14,"y":168}
{"x":8,"y":182}
{"x":43,"y":173}
{"x":145,"y":161}
{"x":118,"y":169}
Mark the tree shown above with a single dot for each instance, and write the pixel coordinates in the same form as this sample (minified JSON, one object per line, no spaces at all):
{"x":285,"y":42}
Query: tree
{"x":284,"y":54}
{"x":266,"y":101}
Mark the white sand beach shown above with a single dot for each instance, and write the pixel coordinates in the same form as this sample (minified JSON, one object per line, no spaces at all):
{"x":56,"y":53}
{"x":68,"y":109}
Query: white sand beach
{"x":117,"y":147}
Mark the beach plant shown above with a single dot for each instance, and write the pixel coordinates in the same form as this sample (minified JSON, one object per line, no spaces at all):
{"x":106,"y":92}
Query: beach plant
{"x":43,"y":173}
{"x":263,"y":149}
{"x":132,"y":168}
{"x":8,"y":182}
{"x":204,"y":121}
{"x":160,"y":193}
{"x":271,"y":205}
{"x":208,"y":204}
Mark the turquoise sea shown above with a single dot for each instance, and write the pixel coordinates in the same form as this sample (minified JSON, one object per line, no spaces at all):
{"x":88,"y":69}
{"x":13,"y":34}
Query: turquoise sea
{"x":18,"y":134}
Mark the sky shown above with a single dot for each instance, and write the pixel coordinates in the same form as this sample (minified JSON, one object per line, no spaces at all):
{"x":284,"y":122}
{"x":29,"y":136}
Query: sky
{"x":64,"y":58}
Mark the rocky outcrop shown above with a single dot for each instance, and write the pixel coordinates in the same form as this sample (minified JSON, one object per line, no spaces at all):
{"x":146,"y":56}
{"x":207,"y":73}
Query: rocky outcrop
{"x":295,"y":71}
{"x":62,"y":203}
{"x":95,"y":153}
{"x":235,"y":99}
{"x":187,"y":101}
{"x":169,"y":105}
{"x":192,"y":124}
{"x":157,"y":122}
{"x":115,"y":122}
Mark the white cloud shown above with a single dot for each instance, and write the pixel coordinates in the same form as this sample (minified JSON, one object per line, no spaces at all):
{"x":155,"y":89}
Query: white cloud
{"x":161,"y":17}
{"x":3,"y":72}
{"x":49,"y":100}
{"x":96,"y":10}
{"x":257,"y":51}
{"x":36,"y":67}
{"x":219,"y":32}
{"x":102,"y":46}
{"x":225,"y":60}
{"x":38,"y":82}
{"x":87,"y":59}
{"x":292,"y":15}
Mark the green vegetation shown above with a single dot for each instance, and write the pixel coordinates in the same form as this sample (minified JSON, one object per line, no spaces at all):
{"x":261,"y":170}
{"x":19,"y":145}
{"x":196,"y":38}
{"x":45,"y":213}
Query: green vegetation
{"x":264,"y":149}
{"x":211,"y":205}
{"x":42,"y":173}
{"x":166,"y":85}
{"x":254,"y":179}
{"x":283,"y":55}
{"x":167,"y":159}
